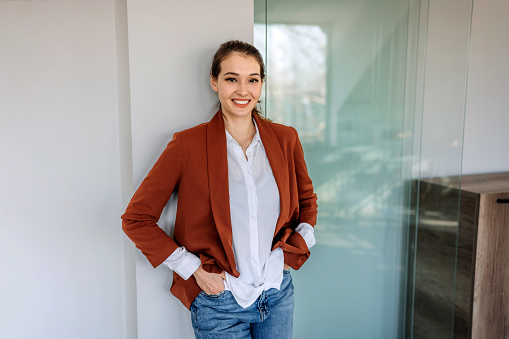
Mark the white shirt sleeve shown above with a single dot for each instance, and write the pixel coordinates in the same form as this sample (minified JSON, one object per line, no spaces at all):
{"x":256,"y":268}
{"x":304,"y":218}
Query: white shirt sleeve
{"x":184,"y":263}
{"x":308,"y":233}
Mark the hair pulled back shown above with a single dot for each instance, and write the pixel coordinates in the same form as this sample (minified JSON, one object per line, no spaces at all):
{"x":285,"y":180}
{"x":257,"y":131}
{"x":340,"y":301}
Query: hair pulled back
{"x":240,"y":47}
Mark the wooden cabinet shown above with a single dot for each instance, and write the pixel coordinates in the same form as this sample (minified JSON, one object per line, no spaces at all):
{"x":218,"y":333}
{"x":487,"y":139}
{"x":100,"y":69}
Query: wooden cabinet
{"x":462,"y":258}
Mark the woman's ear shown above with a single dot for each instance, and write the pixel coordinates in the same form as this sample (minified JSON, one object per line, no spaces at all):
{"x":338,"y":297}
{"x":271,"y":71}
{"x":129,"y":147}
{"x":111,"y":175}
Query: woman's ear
{"x":213,"y":83}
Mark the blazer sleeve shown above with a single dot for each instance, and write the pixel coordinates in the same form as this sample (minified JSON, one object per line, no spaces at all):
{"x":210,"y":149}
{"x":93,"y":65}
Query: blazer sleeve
{"x":140,"y":219}
{"x":308,"y":208}
{"x":294,"y":246}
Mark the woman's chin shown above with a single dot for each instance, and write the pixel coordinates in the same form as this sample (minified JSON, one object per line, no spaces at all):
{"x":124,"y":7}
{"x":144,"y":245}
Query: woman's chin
{"x":238,"y":113}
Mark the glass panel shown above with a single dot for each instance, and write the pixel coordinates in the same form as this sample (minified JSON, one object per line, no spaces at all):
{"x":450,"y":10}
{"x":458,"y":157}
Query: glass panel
{"x":441,"y":288}
{"x":350,"y":76}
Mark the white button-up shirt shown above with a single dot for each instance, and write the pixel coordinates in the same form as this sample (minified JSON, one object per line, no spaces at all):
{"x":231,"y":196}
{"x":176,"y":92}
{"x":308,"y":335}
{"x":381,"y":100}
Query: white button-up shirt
{"x":254,"y":210}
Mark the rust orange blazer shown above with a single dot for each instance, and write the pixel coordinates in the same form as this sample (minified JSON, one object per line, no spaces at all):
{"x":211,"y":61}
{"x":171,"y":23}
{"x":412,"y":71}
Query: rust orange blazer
{"x":195,"y":164}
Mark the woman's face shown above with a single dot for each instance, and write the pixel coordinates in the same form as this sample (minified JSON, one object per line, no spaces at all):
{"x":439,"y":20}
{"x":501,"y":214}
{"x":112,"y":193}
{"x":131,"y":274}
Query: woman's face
{"x":238,"y":85}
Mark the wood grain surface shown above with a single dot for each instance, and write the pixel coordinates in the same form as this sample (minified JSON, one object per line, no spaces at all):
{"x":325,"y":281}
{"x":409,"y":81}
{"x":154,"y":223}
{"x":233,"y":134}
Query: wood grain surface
{"x":464,"y":282}
{"x":475,"y":183}
{"x":491,"y":287}
{"x":444,"y":262}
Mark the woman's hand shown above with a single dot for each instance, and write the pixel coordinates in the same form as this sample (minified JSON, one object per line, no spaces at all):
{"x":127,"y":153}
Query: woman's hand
{"x":287,"y":267}
{"x":210,"y":283}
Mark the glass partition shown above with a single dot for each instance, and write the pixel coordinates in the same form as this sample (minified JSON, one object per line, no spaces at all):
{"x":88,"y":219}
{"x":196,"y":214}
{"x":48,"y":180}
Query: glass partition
{"x":361,"y":82}
{"x":439,"y":290}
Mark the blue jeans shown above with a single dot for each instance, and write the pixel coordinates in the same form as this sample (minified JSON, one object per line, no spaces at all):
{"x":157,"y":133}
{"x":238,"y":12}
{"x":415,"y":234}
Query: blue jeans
{"x":270,"y":316}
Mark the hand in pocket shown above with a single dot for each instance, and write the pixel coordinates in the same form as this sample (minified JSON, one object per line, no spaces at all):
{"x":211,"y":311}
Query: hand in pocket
{"x":210,"y":283}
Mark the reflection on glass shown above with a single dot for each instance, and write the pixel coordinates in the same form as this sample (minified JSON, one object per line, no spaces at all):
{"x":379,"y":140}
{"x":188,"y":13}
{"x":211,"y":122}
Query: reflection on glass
{"x":349,"y":76}
{"x":298,"y":86}
{"x":352,"y":133}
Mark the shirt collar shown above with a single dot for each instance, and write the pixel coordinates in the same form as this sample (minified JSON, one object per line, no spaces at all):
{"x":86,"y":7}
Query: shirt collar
{"x":256,"y":138}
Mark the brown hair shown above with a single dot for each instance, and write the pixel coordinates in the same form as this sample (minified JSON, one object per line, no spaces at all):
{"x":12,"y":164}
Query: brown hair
{"x":241,"y":47}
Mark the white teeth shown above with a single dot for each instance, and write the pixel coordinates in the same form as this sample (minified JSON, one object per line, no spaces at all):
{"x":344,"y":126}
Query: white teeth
{"x":243,"y":102}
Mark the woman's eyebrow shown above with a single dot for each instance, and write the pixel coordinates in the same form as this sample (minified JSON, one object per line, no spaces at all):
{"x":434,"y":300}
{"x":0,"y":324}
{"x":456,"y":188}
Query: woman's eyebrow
{"x":237,"y":74}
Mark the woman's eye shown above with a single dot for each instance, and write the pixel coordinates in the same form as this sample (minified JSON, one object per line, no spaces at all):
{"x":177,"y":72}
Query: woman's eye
{"x":253,"y":80}
{"x":231,"y":79}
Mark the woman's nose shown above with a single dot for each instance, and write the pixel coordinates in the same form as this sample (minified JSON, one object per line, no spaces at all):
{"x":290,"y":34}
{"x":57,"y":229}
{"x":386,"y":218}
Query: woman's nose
{"x":242,"y":88}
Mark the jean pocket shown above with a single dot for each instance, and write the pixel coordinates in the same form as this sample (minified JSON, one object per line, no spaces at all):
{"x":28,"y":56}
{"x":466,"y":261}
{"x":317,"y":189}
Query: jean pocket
{"x":220,"y":294}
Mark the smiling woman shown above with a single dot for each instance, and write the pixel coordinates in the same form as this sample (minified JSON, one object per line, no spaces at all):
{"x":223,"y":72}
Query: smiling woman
{"x":246,"y":209}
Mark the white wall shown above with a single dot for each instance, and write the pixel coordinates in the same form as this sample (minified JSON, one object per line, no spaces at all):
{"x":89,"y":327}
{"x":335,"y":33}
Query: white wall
{"x":61,"y":248}
{"x":68,"y":153}
{"x":440,"y":128}
{"x":64,"y":105}
{"x":126,"y":164}
{"x":487,"y":113}
{"x":486,"y":116}
{"x":171,"y":44}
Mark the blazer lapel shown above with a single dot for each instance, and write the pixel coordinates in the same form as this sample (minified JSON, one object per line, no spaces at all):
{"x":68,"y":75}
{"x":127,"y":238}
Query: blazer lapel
{"x":279,"y":168}
{"x":217,"y":164}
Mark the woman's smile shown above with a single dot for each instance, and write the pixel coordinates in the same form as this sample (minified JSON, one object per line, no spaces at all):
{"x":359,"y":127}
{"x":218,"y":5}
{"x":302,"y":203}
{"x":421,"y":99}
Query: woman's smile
{"x":241,"y":103}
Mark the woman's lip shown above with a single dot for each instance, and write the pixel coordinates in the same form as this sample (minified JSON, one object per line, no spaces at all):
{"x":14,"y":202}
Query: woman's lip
{"x":241,"y":105}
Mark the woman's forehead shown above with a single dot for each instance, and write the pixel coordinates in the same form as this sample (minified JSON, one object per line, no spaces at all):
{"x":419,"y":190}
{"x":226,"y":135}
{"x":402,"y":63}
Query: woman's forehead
{"x":241,"y":64}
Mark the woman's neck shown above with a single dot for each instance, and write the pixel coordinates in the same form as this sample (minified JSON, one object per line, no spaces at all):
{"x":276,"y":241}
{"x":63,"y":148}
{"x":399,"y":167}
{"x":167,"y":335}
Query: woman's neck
{"x":241,"y":129}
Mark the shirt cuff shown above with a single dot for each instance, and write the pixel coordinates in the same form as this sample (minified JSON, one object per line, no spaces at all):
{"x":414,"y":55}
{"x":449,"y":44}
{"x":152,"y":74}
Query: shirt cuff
{"x":182,"y":262}
{"x":307,"y":232}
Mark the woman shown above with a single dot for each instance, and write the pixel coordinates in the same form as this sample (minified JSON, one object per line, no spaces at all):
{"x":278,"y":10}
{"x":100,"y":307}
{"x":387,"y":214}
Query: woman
{"x":245,"y":214}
